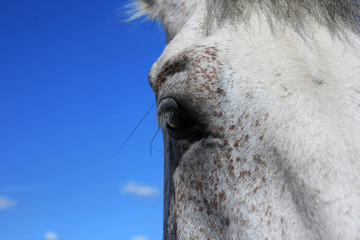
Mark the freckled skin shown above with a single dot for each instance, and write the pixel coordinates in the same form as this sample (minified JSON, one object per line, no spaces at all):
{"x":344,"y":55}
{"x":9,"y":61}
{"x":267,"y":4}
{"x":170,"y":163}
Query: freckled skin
{"x":279,"y":155}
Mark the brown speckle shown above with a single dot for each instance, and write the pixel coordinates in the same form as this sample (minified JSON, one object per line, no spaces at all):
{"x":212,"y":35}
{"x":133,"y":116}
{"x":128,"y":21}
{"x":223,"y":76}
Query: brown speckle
{"x":222,"y":196}
{"x":227,"y":221}
{"x":244,"y":174}
{"x":219,"y":91}
{"x":253,"y":207}
{"x":267,"y":210}
{"x":261,"y":137}
{"x":244,"y":223}
{"x":246,"y":138}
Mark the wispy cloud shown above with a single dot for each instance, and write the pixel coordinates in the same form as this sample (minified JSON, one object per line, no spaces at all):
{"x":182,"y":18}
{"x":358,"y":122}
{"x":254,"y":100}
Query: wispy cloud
{"x":50,"y":236}
{"x":140,"y":238}
{"x":6,"y":203}
{"x":140,"y":189}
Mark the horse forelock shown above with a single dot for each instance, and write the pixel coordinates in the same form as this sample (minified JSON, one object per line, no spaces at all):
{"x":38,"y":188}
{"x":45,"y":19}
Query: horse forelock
{"x":335,"y":15}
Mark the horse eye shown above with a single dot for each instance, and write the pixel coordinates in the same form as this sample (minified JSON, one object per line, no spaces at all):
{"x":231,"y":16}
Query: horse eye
{"x":178,"y":122}
{"x":180,"y":125}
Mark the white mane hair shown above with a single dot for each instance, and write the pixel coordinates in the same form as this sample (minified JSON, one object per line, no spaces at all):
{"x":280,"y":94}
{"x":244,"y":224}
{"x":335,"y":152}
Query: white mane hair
{"x":140,"y":8}
{"x":335,"y":15}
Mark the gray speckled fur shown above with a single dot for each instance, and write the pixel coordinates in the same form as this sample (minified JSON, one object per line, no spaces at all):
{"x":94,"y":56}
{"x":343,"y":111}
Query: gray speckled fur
{"x":333,"y":14}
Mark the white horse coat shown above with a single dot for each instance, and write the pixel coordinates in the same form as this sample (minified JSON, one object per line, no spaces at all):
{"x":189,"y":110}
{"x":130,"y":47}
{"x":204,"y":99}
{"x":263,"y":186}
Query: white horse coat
{"x":259,"y":102}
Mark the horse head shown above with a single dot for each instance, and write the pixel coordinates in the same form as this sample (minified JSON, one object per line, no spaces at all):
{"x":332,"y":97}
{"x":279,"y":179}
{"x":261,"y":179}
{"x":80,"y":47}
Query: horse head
{"x":259,"y":103}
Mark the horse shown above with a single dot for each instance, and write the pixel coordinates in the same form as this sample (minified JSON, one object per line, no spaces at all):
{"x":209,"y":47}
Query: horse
{"x":259,"y":104}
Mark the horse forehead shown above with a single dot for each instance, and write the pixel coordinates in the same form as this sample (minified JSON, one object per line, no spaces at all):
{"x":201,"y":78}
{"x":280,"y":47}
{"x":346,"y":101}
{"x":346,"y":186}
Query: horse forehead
{"x":174,"y":14}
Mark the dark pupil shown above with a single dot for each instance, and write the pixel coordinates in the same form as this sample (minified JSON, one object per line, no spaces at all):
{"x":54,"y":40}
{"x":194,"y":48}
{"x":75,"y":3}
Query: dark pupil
{"x":178,"y":119}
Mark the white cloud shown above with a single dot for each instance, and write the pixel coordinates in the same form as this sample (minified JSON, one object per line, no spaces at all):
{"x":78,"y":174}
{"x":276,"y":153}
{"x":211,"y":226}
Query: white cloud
{"x":6,"y":203}
{"x":50,"y":236}
{"x":140,"y":189}
{"x":139,"y":238}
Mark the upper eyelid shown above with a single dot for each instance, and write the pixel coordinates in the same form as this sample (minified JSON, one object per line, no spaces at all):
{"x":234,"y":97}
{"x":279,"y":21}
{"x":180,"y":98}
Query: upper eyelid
{"x":166,"y":105}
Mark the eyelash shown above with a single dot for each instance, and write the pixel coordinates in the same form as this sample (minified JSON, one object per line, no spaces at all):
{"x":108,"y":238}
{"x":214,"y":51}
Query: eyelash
{"x":175,"y":117}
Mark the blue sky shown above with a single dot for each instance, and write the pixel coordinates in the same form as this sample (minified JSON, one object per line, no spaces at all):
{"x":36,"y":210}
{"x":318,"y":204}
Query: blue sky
{"x":73,"y":85}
